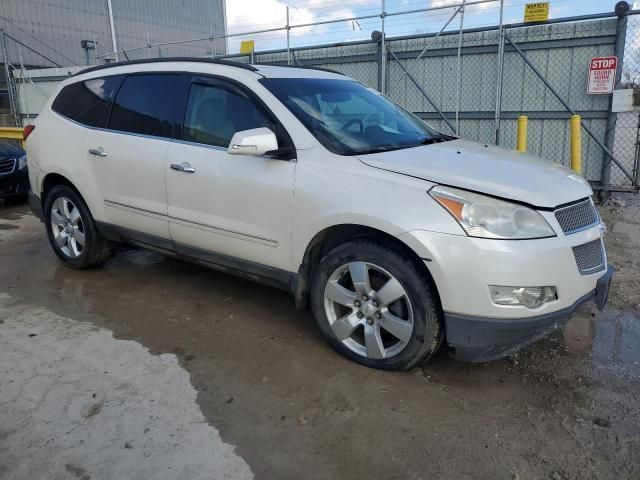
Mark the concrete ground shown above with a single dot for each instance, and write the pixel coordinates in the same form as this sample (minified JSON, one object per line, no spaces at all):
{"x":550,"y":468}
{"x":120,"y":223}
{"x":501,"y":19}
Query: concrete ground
{"x":151,"y":368}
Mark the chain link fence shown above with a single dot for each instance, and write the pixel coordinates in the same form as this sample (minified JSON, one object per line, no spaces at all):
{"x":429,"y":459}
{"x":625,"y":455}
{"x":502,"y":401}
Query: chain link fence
{"x":476,"y":82}
{"x":625,"y":128}
{"x":461,"y":84}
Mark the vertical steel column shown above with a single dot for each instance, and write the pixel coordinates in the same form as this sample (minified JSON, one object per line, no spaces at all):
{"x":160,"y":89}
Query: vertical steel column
{"x":378,"y":41}
{"x":114,"y":44}
{"x":95,"y":49}
{"x":459,"y":68}
{"x":288,"y":40}
{"x":612,"y":118}
{"x":13,"y":101}
{"x":499,"y":74}
{"x":383,"y":58}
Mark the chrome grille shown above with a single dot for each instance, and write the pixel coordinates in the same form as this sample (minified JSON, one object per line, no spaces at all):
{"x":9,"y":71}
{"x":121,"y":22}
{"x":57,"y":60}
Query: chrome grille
{"x":590,"y":257}
{"x":577,"y":217}
{"x":7,"y":166}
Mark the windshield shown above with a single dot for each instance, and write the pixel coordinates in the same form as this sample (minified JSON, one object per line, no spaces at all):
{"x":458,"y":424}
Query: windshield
{"x":349,"y":118}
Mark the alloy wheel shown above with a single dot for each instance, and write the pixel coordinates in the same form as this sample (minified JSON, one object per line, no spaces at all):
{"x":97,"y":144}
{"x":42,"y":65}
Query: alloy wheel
{"x":368,"y":310}
{"x":67,"y":227}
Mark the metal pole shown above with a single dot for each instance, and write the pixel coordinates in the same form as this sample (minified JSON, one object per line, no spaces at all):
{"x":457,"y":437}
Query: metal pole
{"x":383,"y":58}
{"x":612,"y":118}
{"x":288,"y":40}
{"x":114,"y":44}
{"x":379,"y":61}
{"x":499,"y":74}
{"x":459,"y":70}
{"x":13,"y":103}
{"x":424,"y":94}
{"x":568,"y":108}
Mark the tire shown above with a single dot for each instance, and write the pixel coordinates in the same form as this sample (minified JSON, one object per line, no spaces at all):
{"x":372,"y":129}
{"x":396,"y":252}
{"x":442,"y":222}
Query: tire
{"x":72,"y":231}
{"x":355,"y":323}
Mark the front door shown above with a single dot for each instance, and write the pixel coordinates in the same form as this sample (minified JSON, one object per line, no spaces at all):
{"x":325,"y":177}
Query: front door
{"x":231,"y":205}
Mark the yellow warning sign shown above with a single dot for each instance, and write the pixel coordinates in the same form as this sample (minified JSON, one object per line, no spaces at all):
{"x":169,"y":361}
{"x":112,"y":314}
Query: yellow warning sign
{"x":536,"y":12}
{"x":246,"y":46}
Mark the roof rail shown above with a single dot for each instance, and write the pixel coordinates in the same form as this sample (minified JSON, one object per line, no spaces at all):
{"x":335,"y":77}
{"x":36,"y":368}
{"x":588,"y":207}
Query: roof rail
{"x":305,"y":67}
{"x":143,"y":61}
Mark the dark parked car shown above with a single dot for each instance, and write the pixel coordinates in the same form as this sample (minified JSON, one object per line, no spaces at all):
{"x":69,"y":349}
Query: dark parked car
{"x":14,"y":181}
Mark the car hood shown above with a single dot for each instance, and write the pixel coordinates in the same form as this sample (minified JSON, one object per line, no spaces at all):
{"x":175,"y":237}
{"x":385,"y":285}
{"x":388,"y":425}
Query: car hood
{"x":10,"y":149}
{"x":486,"y":169}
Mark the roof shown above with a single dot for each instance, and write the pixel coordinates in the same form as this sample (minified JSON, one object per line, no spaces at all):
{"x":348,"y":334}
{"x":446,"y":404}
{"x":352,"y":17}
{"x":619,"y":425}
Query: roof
{"x":263,"y":70}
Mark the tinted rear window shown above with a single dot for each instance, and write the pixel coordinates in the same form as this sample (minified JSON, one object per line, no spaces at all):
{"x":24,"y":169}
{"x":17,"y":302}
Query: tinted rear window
{"x":145,"y":105}
{"x":88,"y":102}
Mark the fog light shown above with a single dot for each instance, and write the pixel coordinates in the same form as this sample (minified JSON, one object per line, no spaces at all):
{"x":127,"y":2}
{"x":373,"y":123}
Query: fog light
{"x":530,"y":297}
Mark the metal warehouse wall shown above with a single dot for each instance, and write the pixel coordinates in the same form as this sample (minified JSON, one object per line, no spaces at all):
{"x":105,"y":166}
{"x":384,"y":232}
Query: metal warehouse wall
{"x":54,"y":28}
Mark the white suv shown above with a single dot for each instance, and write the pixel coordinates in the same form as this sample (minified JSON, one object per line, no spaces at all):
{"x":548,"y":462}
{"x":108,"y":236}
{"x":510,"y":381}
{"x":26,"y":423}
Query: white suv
{"x":398,"y":236}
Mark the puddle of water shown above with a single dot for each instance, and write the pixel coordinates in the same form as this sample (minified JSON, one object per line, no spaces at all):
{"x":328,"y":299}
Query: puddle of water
{"x":609,"y":338}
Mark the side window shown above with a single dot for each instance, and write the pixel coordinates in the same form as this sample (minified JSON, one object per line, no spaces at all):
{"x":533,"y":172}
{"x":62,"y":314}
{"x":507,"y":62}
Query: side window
{"x":214,"y":113}
{"x":145,"y":105}
{"x":88,"y":102}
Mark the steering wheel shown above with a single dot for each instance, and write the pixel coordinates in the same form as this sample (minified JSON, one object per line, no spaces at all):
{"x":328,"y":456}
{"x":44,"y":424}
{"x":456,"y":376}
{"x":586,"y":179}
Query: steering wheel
{"x":352,"y":122}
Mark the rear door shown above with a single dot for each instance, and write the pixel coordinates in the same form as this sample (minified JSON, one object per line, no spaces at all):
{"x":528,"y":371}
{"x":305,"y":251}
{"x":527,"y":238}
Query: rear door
{"x":235,"y":205}
{"x":127,"y":158}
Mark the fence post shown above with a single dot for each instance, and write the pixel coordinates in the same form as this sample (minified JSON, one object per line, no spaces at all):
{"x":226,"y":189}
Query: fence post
{"x":459,"y":68}
{"x":576,"y":143}
{"x":521,"y":145}
{"x":610,"y":132}
{"x":11,"y":90}
{"x":113,"y":31}
{"x":383,"y":57}
{"x":499,"y":74}
{"x":379,"y":61}
{"x":288,"y":39}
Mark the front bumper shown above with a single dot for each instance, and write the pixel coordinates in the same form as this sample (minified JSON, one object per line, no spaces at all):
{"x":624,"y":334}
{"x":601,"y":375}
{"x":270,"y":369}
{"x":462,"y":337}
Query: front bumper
{"x":481,"y":339}
{"x":463,"y":268}
{"x":14,"y":184}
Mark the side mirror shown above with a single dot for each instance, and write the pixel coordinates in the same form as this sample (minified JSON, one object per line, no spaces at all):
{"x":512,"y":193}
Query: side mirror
{"x":256,"y":141}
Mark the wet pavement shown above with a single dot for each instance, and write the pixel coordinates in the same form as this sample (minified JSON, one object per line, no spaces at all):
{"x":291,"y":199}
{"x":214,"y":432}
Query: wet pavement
{"x":566,"y":408}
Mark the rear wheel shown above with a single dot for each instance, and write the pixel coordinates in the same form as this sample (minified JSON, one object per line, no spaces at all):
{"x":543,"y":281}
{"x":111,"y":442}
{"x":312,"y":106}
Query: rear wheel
{"x":375,"y":306}
{"x":72,"y":231}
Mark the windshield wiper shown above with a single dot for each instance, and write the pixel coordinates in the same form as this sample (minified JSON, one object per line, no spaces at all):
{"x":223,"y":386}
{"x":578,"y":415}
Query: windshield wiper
{"x":382,"y":148}
{"x":436,"y":139}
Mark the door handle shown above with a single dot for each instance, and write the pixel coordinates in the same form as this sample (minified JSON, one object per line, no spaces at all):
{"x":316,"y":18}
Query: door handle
{"x":183,"y":167}
{"x":98,"y":152}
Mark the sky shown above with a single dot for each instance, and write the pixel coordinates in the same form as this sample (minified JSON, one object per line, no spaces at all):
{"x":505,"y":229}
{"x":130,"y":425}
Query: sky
{"x":252,"y":15}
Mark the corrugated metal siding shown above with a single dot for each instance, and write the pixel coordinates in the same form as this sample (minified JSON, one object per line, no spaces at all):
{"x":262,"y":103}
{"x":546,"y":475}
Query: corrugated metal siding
{"x":55,"y":28}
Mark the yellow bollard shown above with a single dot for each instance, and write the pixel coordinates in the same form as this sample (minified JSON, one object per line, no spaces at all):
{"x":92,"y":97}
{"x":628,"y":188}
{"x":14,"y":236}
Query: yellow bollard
{"x":522,"y":134}
{"x":576,"y":144}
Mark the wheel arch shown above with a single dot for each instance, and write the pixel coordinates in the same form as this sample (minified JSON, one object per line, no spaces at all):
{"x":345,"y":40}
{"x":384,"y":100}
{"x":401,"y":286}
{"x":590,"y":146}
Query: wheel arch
{"x":53,"y":179}
{"x":334,"y":235}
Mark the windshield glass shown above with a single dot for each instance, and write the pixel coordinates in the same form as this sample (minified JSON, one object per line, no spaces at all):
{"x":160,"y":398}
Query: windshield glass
{"x":349,"y":118}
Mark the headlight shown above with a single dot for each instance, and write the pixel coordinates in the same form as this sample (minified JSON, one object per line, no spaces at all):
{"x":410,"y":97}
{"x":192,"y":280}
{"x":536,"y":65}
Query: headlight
{"x":487,"y":217}
{"x":22,"y":162}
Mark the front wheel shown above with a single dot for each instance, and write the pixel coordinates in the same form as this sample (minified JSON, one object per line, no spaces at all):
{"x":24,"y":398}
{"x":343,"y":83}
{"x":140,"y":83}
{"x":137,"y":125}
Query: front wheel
{"x":375,"y":306}
{"x":72,"y":231}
